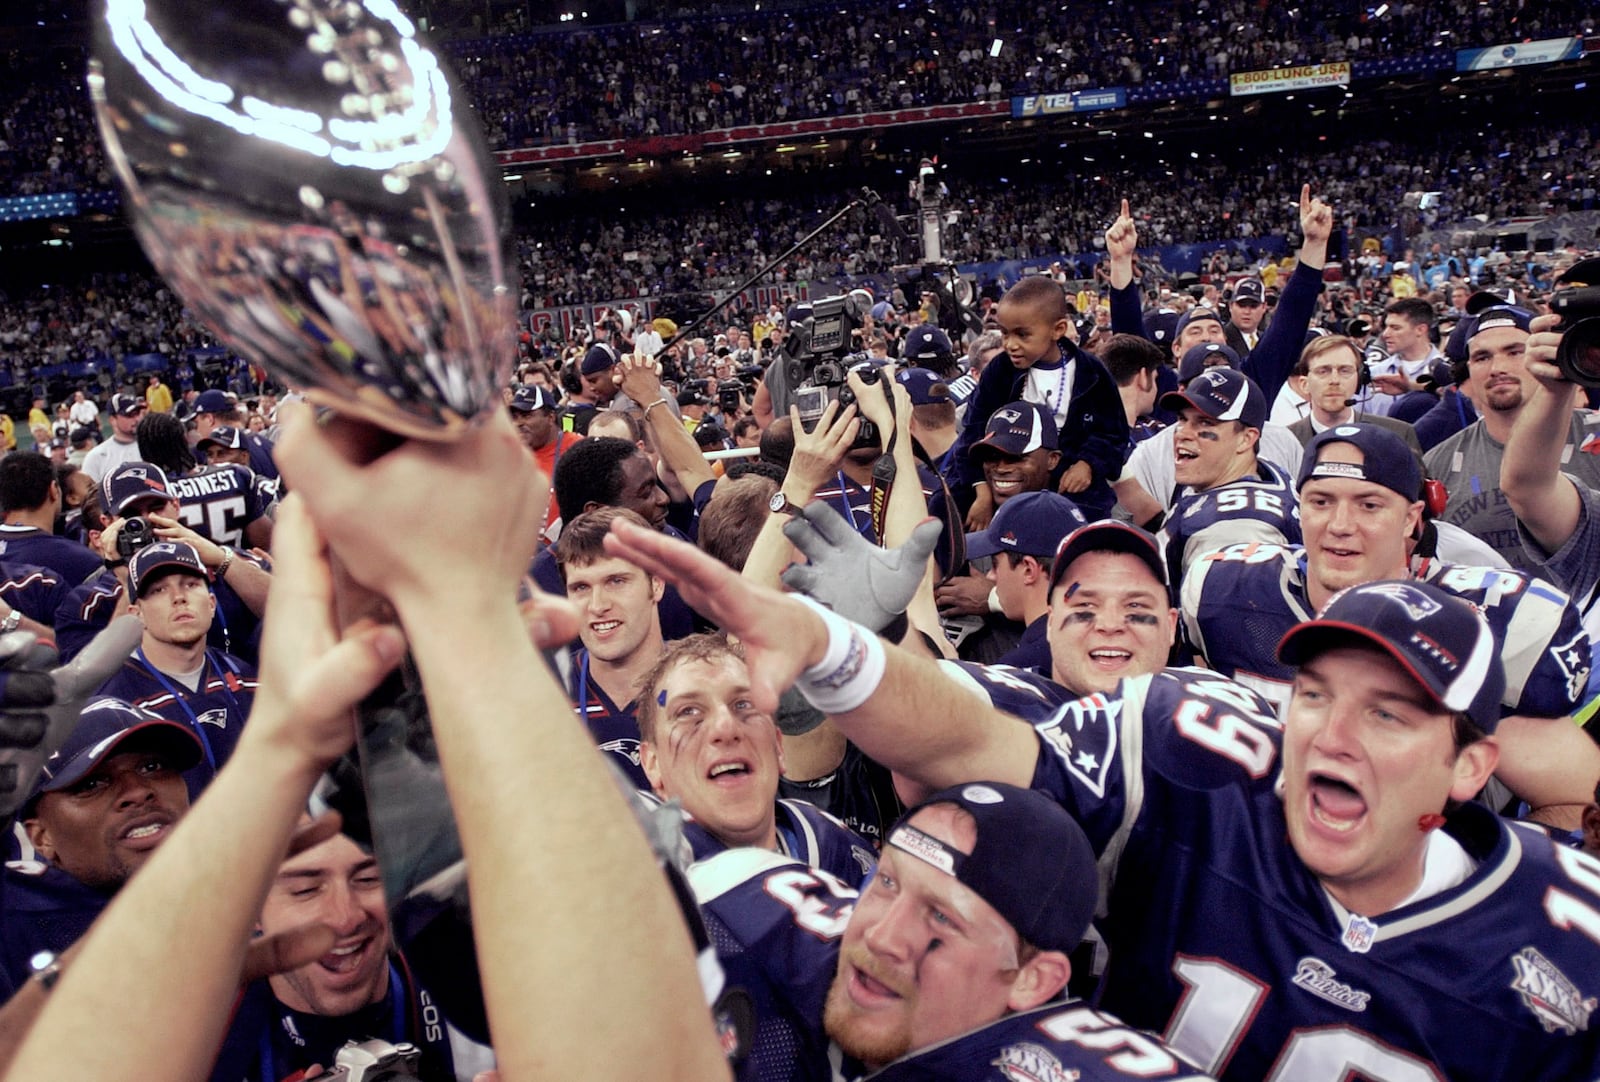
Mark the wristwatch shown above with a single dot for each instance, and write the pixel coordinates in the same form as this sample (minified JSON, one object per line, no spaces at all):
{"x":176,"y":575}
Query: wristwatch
{"x":782,"y":505}
{"x":11,"y":622}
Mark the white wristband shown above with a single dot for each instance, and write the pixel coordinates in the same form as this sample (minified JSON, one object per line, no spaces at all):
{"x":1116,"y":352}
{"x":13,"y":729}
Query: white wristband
{"x":850,"y":670}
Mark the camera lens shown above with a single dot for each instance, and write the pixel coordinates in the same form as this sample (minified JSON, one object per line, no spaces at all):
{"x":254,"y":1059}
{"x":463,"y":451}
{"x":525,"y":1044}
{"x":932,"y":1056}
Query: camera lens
{"x":1578,"y":356}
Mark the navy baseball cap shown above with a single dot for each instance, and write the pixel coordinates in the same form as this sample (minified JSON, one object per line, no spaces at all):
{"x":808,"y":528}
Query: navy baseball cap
{"x":1440,"y":639}
{"x":127,"y":405}
{"x":1029,"y":524}
{"x":1197,"y":359}
{"x":1455,"y":346}
{"x":1385,"y":460}
{"x":162,"y":556}
{"x":84,"y":433}
{"x":1107,"y":535}
{"x":924,"y":387}
{"x":1501,"y":315}
{"x":529,"y":397}
{"x":1194,"y":315}
{"x":600,"y":357}
{"x":1031,"y":860}
{"x":1160,"y":326}
{"x":926,"y":342}
{"x":104,"y":728}
{"x":133,"y":481}
{"x":1222,"y":394}
{"x":225,"y":436}
{"x":215,"y":401}
{"x":1016,"y":429}
{"x":692,"y":397}
{"x":1249,"y":291}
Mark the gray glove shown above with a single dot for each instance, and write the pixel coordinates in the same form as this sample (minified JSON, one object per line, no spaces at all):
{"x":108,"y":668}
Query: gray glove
{"x":849,"y":574}
{"x":39,"y":703}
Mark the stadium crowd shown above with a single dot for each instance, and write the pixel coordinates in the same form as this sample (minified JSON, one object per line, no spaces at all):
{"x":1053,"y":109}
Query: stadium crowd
{"x":1352,"y":504}
{"x":789,"y":63}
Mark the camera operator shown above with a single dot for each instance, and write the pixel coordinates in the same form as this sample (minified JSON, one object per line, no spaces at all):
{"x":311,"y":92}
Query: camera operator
{"x":1469,"y":463}
{"x":1558,"y":515}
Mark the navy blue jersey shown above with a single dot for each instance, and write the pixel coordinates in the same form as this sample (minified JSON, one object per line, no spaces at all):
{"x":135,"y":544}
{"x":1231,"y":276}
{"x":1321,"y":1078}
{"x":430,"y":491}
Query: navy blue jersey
{"x":777,"y":927}
{"x":218,"y":501}
{"x":775,"y":924}
{"x":216,"y":709}
{"x":70,"y":559}
{"x":1057,"y":1042}
{"x":1224,"y":941}
{"x":614,"y":726}
{"x":807,"y":834}
{"x":1261,"y":507}
{"x":859,"y":792}
{"x":262,"y":462}
{"x":83,"y":613}
{"x":36,"y":592}
{"x":1239,"y":601}
{"x":42,"y":908}
{"x":1028,"y":695}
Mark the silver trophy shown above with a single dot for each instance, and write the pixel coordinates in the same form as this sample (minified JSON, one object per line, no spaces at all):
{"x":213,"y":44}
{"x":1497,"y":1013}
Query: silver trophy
{"x":312,"y":182}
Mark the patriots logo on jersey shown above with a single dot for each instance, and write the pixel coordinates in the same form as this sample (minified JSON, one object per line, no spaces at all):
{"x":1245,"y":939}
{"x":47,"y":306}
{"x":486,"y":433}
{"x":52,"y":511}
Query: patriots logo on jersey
{"x":629,"y":749}
{"x":218,"y":717}
{"x":1573,"y":661}
{"x":1029,"y":1062}
{"x":1554,"y":1000}
{"x":1317,"y":977}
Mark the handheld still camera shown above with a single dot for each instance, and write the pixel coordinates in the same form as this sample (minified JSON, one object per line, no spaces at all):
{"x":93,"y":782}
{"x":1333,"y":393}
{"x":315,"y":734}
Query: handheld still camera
{"x":1577,"y":302}
{"x":136,"y":533}
{"x":819,"y":352}
{"x":372,"y":1061}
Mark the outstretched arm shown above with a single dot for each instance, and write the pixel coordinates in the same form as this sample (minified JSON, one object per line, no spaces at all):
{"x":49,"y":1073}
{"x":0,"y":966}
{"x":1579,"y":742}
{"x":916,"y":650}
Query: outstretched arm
{"x":543,"y":826}
{"x":1545,"y":502}
{"x":914,"y":720}
{"x":151,"y":984}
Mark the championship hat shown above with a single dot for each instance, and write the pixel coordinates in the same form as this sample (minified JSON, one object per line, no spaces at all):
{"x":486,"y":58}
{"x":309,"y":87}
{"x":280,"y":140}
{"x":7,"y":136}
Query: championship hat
{"x":923,"y":386}
{"x":600,"y":357}
{"x":215,"y":401}
{"x":1501,"y":315}
{"x":1440,"y":639}
{"x":1194,"y":315}
{"x":1031,"y":860}
{"x":1028,"y":524}
{"x":1016,"y":429}
{"x":1222,"y":394}
{"x":127,"y":405}
{"x":1249,"y":291}
{"x":926,"y":342}
{"x":107,"y":726}
{"x":1107,"y":535}
{"x":529,"y":397}
{"x":133,"y":481}
{"x":225,"y":436}
{"x":1385,"y":459}
{"x":1197,"y":359}
{"x":163,"y":555}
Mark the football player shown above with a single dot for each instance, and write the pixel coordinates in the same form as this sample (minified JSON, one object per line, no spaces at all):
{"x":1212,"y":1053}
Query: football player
{"x":951,"y":961}
{"x":1284,"y":898}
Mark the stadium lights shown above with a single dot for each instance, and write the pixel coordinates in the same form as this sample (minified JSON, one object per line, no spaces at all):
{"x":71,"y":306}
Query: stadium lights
{"x":511,"y":176}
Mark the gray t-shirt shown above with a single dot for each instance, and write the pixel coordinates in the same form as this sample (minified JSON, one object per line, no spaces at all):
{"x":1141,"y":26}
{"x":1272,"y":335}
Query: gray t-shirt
{"x":1575,"y":567}
{"x":1469,"y":465}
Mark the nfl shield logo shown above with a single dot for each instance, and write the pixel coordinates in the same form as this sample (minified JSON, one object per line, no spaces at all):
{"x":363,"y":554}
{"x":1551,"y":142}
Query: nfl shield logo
{"x":1359,"y":933}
